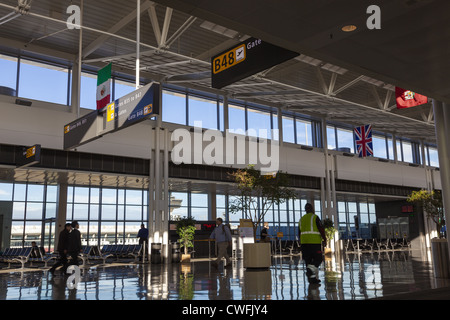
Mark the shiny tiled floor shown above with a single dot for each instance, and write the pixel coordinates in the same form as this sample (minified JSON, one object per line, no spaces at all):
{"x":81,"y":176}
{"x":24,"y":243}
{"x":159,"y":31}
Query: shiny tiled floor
{"x":352,"y":277}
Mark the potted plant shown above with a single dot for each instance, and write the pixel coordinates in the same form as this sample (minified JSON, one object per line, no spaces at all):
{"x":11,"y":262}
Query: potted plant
{"x":433,"y":206}
{"x":330,"y":230}
{"x":185,"y":228}
{"x":258,"y":193}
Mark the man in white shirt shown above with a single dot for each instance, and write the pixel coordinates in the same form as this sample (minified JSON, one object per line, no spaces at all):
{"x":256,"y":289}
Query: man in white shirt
{"x":222,"y":234}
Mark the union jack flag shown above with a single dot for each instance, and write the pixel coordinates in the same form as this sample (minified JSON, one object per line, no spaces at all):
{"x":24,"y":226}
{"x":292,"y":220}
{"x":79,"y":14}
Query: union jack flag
{"x":363,"y":138}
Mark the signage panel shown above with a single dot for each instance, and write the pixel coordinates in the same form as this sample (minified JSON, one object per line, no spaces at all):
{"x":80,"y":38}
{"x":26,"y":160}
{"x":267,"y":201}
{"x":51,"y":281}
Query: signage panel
{"x":29,"y":156}
{"x":247,"y":58}
{"x":119,"y":114}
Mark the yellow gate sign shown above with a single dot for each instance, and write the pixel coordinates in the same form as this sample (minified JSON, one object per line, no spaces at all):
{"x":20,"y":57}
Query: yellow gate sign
{"x":229,"y":59}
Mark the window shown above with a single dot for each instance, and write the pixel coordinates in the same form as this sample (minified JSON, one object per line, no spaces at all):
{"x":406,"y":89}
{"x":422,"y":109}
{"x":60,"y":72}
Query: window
{"x":390,"y":149}
{"x":221,"y":206}
{"x":379,"y":147}
{"x":43,"y":82}
{"x":8,"y":74}
{"x":345,"y":139}
{"x":304,"y":132}
{"x":203,"y":110}
{"x":178,"y":205}
{"x":236,"y":119}
{"x":331,"y":138}
{"x":259,"y":124}
{"x":122,"y":88}
{"x":6,"y":191}
{"x":88,"y":91}
{"x":199,"y":206}
{"x":288,"y":130}
{"x":434,"y":158}
{"x":407,"y":151}
{"x":173,"y":107}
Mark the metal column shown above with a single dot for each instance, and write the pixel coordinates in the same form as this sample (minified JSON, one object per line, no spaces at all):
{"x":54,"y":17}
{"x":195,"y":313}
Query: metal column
{"x":442,"y":127}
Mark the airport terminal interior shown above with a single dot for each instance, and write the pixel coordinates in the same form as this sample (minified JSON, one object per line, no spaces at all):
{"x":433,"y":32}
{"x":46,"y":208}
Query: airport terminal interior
{"x":312,"y":73}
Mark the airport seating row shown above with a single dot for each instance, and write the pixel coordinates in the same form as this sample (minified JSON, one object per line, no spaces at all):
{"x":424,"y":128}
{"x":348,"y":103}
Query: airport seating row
{"x":22,"y":256}
{"x":25,"y":255}
{"x":372,"y":245}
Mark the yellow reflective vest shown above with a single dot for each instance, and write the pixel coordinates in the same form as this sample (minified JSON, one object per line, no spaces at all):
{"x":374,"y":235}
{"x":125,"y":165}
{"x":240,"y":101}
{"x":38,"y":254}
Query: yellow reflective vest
{"x":310,"y":234}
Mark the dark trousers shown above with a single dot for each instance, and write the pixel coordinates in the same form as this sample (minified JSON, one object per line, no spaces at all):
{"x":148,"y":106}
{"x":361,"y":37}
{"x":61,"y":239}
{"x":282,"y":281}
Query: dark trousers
{"x":312,"y":254}
{"x":62,"y":261}
{"x":74,"y":256}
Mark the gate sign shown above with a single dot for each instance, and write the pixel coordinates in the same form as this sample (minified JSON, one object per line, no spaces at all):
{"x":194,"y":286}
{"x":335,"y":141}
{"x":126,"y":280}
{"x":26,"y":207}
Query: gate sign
{"x":29,"y":156}
{"x":245,"y":59}
{"x":119,"y":114}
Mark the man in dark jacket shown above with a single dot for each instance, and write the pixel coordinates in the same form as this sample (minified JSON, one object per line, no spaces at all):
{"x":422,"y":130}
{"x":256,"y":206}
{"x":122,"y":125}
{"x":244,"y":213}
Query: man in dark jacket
{"x":74,"y":243}
{"x":62,"y":249}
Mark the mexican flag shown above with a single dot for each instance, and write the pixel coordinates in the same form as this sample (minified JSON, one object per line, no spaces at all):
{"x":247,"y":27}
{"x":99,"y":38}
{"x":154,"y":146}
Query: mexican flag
{"x":104,"y":87}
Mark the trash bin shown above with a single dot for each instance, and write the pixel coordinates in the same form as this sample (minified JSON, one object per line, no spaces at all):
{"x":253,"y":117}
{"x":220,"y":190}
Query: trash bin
{"x":155,"y":256}
{"x":176,"y":252}
{"x":439,"y":250}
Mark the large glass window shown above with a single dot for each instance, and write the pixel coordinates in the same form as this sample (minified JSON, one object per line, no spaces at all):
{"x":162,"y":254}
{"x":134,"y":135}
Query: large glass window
{"x":178,"y":206}
{"x":407,"y":151}
{"x":345,"y":139}
{"x":331,"y":137}
{"x":43,"y":82}
{"x":8,"y":74}
{"x":122,"y":88}
{"x":174,"y":107}
{"x":199,"y":206}
{"x":203,"y":110}
{"x":259,"y":123}
{"x":288,"y":130}
{"x":236,"y":119}
{"x":88,"y":91}
{"x":304,"y":132}
{"x":379,"y":147}
{"x":434,"y":158}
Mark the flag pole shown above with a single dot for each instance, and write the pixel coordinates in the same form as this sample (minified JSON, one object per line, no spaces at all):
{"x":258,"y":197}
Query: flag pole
{"x":138,"y":36}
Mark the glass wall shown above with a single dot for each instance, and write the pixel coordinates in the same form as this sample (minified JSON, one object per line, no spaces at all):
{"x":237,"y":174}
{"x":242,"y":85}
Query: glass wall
{"x":356,"y":219}
{"x":34,"y":212}
{"x":44,"y":82}
{"x":8,"y":74}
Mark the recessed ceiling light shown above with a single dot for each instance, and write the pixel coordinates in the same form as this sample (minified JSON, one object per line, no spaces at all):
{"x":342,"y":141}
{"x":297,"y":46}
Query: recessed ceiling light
{"x":349,"y":28}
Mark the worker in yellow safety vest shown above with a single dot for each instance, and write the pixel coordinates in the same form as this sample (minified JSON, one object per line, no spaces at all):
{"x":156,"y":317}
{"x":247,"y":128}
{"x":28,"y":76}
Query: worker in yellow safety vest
{"x":312,"y":233}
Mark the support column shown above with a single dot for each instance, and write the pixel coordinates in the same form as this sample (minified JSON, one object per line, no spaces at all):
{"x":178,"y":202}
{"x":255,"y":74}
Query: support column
{"x":61,"y":214}
{"x":442,"y":127}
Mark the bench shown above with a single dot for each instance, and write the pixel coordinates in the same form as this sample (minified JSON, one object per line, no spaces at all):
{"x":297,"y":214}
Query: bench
{"x":118,"y":251}
{"x":40,"y":256}
{"x":16,"y":255}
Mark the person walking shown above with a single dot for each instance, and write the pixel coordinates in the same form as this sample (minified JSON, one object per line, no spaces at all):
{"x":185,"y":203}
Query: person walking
{"x":312,"y":233}
{"x":143,"y":240}
{"x":63,"y":242}
{"x":265,"y":237}
{"x":74,"y":243}
{"x":222,"y":235}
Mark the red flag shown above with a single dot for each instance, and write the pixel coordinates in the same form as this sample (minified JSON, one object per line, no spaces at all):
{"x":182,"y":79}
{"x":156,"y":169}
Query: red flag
{"x":408,"y":98}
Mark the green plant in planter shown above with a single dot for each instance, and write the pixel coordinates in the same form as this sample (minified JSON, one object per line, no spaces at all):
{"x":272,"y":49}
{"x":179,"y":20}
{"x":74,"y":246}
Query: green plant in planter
{"x":185,"y":228}
{"x":432,"y":204}
{"x":258,"y":193}
{"x":328,"y":225}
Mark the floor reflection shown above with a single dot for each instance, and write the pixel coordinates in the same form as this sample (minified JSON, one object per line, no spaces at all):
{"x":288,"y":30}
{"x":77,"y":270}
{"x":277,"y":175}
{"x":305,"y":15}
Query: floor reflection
{"x":349,"y":277}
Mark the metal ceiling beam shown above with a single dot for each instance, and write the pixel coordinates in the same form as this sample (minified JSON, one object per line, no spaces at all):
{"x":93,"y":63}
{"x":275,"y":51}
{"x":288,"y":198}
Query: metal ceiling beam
{"x":154,"y":21}
{"x":346,"y":86}
{"x":165,"y":30}
{"x":180,"y":31}
{"x":94,"y":45}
